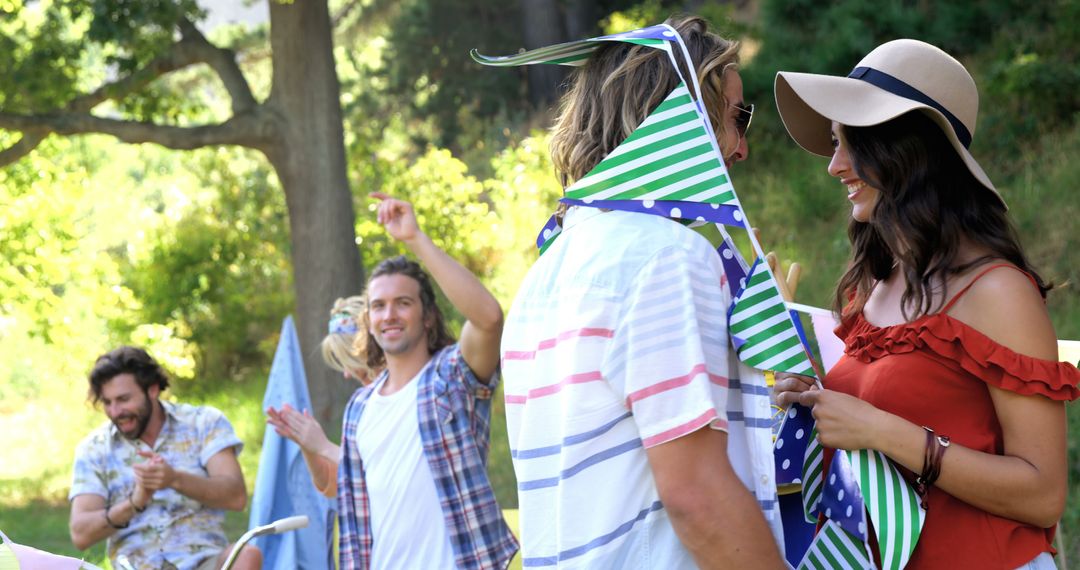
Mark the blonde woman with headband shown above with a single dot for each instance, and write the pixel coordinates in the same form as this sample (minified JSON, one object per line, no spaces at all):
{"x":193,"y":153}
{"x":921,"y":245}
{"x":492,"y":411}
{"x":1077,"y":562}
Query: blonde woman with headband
{"x":320,"y":454}
{"x":346,"y":320}
{"x":950,"y":365}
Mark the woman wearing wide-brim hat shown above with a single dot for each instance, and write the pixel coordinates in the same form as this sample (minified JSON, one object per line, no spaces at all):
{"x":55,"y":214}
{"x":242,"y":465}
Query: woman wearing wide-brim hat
{"x":950,"y":365}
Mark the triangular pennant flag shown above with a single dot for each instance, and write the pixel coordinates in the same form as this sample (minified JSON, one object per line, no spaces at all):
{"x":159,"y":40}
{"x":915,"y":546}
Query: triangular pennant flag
{"x":735,"y":268}
{"x":892,"y":503}
{"x":762,"y":329}
{"x":667,"y":167}
{"x":789,"y":449}
{"x":813,"y":468}
{"x":547,"y":234}
{"x":841,"y":500}
{"x":576,"y":53}
{"x":669,"y":157}
{"x":835,"y":549}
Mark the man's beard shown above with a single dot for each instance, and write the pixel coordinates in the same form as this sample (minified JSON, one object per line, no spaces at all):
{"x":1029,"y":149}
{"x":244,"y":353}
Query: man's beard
{"x":142,"y":419}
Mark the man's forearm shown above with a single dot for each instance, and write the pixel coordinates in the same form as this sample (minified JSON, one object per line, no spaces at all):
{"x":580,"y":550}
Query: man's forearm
{"x":713,"y":513}
{"x":323,"y":471}
{"x":461,"y":287}
{"x":217,"y":492}
{"x":730,"y":533}
{"x":91,"y":527}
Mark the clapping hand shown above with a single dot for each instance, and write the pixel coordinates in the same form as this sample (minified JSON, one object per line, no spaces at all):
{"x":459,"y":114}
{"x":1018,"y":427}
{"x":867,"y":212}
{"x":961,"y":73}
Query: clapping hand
{"x":154,"y":474}
{"x":299,"y":427}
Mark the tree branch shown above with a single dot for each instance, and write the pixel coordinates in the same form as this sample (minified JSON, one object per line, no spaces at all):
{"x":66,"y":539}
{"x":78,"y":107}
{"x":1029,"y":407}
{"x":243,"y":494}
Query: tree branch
{"x":182,"y":54}
{"x":253,"y":129}
{"x":373,"y":14}
{"x":179,"y":56}
{"x":29,"y":141}
{"x":193,"y":47}
{"x":223,"y":62}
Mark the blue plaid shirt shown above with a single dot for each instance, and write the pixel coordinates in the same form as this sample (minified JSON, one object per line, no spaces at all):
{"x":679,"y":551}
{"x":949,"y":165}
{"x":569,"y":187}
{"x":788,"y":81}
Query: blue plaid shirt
{"x":454,"y":410}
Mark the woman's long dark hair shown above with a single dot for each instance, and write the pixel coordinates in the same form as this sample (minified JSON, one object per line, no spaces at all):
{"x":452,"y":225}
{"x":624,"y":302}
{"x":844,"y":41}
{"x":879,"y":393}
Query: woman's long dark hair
{"x":928,"y":203}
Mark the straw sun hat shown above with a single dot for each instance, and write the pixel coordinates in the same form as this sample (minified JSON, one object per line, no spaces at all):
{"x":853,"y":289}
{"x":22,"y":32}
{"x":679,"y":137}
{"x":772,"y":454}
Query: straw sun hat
{"x":897,"y":77}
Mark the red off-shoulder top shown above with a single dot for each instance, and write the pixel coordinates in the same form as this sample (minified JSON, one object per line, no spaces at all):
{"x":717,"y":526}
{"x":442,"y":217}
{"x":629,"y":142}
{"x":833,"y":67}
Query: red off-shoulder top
{"x":934,"y":371}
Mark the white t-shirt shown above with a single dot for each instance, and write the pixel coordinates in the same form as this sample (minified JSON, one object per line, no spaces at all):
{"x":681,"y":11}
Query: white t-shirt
{"x":617,"y":342}
{"x":407,"y":523}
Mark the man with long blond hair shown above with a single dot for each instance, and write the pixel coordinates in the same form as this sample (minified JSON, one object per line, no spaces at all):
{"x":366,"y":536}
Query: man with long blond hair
{"x":630,"y":420}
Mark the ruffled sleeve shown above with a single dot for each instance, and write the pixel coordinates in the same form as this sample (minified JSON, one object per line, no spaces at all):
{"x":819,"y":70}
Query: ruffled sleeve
{"x":973,"y":351}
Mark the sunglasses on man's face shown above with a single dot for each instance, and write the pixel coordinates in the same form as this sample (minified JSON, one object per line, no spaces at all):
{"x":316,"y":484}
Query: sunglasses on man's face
{"x":742,"y":120}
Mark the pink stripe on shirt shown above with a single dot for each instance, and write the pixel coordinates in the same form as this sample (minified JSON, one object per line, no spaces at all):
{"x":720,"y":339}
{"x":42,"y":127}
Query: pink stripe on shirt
{"x":671,"y":384}
{"x":551,"y":342}
{"x":555,"y":388}
{"x":688,"y":427}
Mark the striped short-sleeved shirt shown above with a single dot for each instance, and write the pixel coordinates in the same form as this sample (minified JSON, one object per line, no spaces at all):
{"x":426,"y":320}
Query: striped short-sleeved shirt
{"x":617,"y":342}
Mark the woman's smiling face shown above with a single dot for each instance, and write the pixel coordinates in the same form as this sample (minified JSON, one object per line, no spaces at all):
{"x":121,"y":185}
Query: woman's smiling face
{"x":863,"y":196}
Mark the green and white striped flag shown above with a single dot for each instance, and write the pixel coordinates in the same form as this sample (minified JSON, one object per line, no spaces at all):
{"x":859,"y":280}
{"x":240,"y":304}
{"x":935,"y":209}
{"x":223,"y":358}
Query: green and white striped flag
{"x":836,"y":549}
{"x":576,"y":53}
{"x":813,"y":482}
{"x":669,"y":157}
{"x":861,"y":482}
{"x":893,"y":506}
{"x":762,"y":328}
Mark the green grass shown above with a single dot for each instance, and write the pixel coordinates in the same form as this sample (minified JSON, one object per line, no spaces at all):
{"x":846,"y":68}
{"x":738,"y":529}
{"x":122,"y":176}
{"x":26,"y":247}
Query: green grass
{"x":44,"y":525}
{"x":33,"y":491}
{"x":511,"y":516}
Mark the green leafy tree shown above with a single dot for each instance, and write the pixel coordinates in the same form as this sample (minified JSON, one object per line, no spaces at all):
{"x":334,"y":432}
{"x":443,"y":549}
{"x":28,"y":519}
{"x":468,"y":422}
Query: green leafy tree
{"x":227,"y":258}
{"x":116,"y":67}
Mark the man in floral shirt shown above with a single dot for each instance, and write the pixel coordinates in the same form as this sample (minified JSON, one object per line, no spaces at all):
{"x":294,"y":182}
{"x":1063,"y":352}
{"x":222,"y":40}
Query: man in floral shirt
{"x":156,"y":478}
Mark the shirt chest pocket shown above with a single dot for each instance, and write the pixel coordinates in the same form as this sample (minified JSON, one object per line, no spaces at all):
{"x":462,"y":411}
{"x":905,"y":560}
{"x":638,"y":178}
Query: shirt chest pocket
{"x":444,"y":403}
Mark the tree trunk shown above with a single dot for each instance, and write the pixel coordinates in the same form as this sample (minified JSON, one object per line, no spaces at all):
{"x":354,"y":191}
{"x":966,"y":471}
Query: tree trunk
{"x":542,"y":24}
{"x":310,"y":162}
{"x":581,"y":18}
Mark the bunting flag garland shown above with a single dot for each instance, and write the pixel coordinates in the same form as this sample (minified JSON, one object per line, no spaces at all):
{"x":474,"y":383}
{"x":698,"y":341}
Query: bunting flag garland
{"x":668,"y":167}
{"x":671,"y":166}
{"x":862,"y":482}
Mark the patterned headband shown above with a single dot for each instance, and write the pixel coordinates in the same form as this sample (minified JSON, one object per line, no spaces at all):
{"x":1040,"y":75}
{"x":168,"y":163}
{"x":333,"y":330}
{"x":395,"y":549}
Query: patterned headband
{"x":342,"y":323}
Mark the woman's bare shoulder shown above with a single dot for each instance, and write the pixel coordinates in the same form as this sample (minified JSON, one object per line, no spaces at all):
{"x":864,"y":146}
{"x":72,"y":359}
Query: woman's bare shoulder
{"x":1006,"y":306}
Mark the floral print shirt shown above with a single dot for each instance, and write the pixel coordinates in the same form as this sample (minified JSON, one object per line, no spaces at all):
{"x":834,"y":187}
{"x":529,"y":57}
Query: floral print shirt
{"x":175,"y":531}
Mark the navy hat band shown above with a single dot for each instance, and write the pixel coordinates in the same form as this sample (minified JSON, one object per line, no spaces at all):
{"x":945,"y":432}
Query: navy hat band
{"x":895,"y":86}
